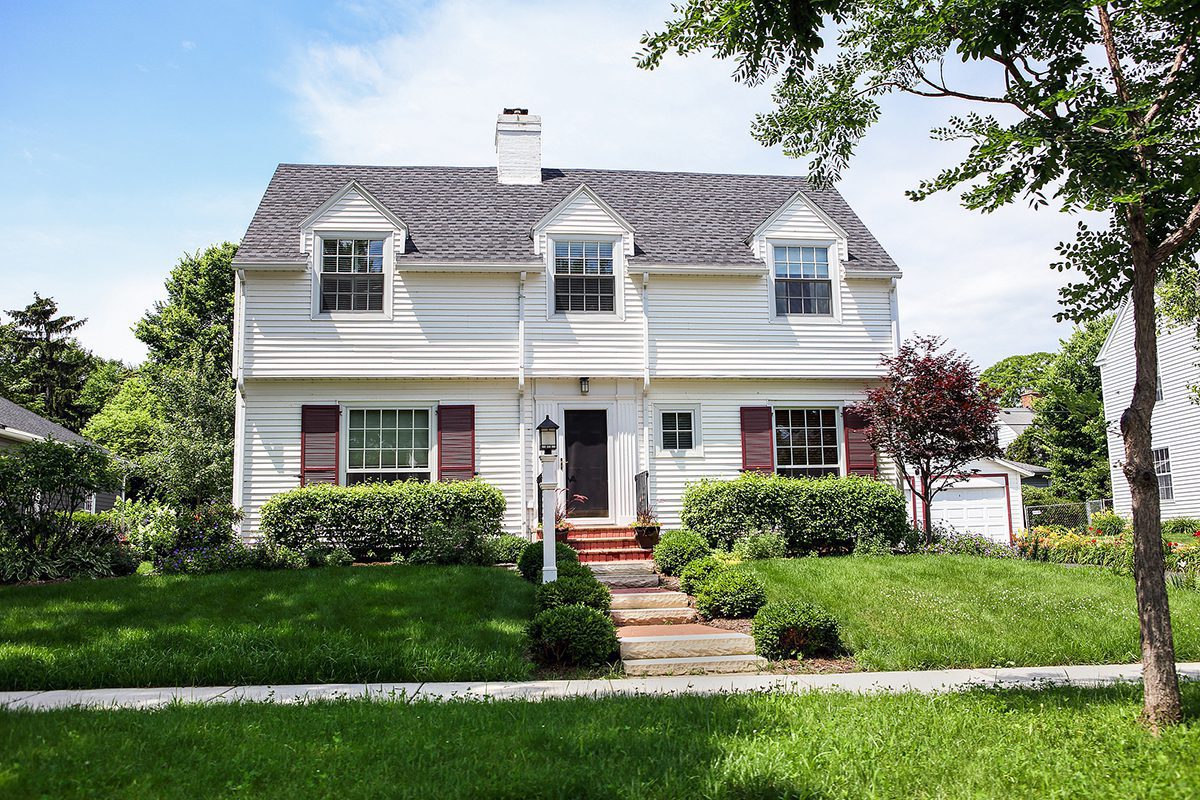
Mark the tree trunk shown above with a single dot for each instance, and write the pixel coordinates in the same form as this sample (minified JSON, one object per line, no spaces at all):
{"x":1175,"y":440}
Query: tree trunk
{"x":1160,"y":683}
{"x":927,"y":512}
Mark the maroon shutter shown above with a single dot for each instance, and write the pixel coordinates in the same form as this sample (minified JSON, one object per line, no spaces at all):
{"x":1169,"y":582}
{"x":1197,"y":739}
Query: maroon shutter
{"x":319,"y":444}
{"x":456,"y":443}
{"x":860,"y":455}
{"x":758,"y":451}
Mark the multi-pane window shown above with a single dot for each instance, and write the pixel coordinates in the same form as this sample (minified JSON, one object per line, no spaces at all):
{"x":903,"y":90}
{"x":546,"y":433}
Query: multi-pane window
{"x":390,"y":444}
{"x":583,"y":276}
{"x":802,"y":284}
{"x":806,"y":442}
{"x":351,"y":275}
{"x":678,"y":430}
{"x":1162,"y":468}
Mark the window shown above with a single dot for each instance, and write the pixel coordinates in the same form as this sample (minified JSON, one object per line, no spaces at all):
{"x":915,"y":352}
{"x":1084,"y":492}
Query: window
{"x":583,"y":277}
{"x":678,"y":430}
{"x":802,"y":284}
{"x":1158,"y":390}
{"x":806,"y":442}
{"x":387,"y":445}
{"x":352,"y":276}
{"x":1162,"y":468}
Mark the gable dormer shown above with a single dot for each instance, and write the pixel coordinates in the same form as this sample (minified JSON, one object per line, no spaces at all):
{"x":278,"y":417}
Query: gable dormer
{"x":582,"y":212}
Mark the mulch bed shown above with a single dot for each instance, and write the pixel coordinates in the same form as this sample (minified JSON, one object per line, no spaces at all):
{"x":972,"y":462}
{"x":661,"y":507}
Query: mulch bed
{"x":790,"y":666}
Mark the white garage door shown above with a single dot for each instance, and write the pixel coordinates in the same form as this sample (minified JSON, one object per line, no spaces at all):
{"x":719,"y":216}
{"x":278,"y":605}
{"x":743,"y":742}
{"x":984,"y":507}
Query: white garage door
{"x":974,"y":509}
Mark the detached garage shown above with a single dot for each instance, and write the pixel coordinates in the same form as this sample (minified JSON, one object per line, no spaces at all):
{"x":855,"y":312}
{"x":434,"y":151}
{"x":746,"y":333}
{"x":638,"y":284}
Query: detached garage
{"x":987,"y":503}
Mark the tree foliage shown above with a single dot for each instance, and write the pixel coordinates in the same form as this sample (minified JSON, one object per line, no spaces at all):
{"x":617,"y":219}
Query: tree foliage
{"x":42,"y":366}
{"x":130,"y":423}
{"x":1015,"y":374}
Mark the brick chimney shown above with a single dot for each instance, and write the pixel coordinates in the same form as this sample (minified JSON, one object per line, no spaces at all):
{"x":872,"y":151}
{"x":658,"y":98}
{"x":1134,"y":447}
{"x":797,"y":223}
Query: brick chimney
{"x":1028,"y":396}
{"x":518,"y":147}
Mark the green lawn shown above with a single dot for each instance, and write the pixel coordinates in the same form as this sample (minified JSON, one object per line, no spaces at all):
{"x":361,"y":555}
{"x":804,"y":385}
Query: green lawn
{"x":921,"y":612}
{"x":322,"y":625}
{"x":1061,"y":743}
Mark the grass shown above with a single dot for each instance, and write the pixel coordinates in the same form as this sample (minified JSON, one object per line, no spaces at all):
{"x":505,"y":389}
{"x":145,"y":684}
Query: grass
{"x":923,"y":612}
{"x":394,"y":623}
{"x":1058,"y":743}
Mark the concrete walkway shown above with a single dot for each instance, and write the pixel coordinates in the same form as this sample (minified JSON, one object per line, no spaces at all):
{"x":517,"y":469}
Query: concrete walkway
{"x":926,"y":682}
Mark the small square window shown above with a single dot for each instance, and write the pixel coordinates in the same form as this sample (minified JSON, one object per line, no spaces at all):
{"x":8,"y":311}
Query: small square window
{"x":584,"y":278}
{"x":678,"y":430}
{"x":351,"y":275}
{"x":802,"y":282}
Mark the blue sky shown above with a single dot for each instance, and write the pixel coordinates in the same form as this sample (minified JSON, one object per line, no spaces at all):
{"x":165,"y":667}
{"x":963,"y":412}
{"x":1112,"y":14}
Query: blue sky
{"x":132,"y":133}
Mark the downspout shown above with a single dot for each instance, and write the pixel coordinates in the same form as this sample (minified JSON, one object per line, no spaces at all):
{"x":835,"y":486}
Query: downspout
{"x":239,"y":418}
{"x":647,"y":423}
{"x":893,"y":299}
{"x":521,"y":402}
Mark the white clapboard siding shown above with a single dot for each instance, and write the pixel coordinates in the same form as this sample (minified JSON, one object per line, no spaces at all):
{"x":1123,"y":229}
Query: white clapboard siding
{"x":1176,"y":422}
{"x":582,"y":216}
{"x":798,"y":222}
{"x":349,"y":213}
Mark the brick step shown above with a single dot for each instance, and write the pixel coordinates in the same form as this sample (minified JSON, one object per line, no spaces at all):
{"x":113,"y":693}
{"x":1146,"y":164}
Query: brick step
{"x":615,"y":554}
{"x":681,"y":641}
{"x":589,"y":533}
{"x":696,"y":665}
{"x":658,"y":599}
{"x":603,"y":542}
{"x":652,"y":616}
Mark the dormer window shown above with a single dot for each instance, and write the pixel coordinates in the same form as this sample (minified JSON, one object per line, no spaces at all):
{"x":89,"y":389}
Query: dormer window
{"x":352,"y":277}
{"x":802,"y":283}
{"x":583,"y":276}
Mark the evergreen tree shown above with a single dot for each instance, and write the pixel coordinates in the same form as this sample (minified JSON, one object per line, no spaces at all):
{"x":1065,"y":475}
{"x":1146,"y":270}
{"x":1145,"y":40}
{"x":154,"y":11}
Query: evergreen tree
{"x":45,"y":367}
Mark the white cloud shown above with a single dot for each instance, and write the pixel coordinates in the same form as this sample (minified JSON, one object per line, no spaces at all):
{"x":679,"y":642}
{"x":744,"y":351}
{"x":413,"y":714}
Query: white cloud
{"x":429,"y":95}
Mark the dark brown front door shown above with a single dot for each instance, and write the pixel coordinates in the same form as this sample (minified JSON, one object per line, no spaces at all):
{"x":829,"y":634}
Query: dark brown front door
{"x":586,"y":436}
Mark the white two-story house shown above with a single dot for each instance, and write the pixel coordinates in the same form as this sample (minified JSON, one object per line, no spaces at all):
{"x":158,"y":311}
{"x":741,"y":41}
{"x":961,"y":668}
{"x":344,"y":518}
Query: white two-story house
{"x":419,"y":322}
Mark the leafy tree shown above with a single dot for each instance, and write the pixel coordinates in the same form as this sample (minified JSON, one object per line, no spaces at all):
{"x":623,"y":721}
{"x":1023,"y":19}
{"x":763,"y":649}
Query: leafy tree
{"x":41,"y":480}
{"x":198,"y":310}
{"x":1028,"y":448}
{"x":932,"y":416}
{"x":129,"y":425}
{"x":102,"y":384}
{"x":1015,"y":374}
{"x":46,"y":368}
{"x":1093,"y":106}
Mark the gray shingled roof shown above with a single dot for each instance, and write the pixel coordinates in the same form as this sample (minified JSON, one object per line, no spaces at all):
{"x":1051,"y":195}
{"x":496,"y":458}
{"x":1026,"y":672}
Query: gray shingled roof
{"x":463,"y":214}
{"x":24,"y":420}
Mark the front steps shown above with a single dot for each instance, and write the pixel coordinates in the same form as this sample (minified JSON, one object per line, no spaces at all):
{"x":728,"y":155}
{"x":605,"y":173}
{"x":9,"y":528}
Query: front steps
{"x":603,"y":545}
{"x":658,"y":629}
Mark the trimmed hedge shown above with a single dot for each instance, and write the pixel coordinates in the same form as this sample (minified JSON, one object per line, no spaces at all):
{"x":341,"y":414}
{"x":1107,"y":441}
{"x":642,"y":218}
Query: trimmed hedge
{"x":572,"y":636}
{"x":812,"y":514}
{"x":444,"y":523}
{"x":573,"y":590}
{"x":732,"y":594}
{"x":529,"y":563}
{"x":794,"y":630}
{"x":676,"y":549}
{"x":759,"y":546}
{"x":506,"y":549}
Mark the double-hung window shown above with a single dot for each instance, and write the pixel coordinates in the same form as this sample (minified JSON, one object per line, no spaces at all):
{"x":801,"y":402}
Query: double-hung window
{"x":1162,"y":468}
{"x":806,"y":442}
{"x":583,"y":276}
{"x":387,"y":444}
{"x":802,"y":282}
{"x":352,"y":277}
{"x":678,"y":430}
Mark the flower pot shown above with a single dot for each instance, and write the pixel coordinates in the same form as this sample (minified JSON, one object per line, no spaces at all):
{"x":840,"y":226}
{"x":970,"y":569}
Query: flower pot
{"x":560,"y":534}
{"x":646,"y":535}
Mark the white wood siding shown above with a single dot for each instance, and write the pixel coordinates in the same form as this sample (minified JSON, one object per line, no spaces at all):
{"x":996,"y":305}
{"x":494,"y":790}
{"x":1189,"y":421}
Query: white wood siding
{"x":798,"y":222}
{"x":1176,"y":422}
{"x":352,"y":212}
{"x":583,"y":215}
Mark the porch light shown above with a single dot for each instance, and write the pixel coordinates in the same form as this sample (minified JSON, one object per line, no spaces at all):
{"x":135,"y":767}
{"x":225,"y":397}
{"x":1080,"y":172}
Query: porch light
{"x":584,"y":386}
{"x":548,"y":435}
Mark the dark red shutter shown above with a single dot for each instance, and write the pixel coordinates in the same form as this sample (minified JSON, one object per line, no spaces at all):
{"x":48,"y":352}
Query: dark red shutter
{"x":456,"y":443}
{"x":758,"y":451}
{"x":860,"y":455}
{"x":319,"y":444}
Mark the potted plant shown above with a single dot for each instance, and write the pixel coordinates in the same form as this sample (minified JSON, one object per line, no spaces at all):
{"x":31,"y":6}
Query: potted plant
{"x":646,"y":528}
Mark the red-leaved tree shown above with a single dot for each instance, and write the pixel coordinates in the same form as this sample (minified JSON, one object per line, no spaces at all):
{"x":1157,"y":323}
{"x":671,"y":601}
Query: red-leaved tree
{"x":932,"y":416}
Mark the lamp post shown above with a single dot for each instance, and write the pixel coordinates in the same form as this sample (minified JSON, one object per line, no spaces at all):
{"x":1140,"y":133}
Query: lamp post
{"x":548,"y":441}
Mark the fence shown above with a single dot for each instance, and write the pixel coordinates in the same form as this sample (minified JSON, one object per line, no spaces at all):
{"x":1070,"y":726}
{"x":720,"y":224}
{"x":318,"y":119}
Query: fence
{"x":1070,"y":515}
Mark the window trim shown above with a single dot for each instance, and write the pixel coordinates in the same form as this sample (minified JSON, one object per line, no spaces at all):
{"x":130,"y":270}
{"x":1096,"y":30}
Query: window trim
{"x":697,"y":448}
{"x":617,"y":240}
{"x":1166,"y":460}
{"x":838,"y":426}
{"x":835,"y":283}
{"x":319,"y":235}
{"x":383,"y":405}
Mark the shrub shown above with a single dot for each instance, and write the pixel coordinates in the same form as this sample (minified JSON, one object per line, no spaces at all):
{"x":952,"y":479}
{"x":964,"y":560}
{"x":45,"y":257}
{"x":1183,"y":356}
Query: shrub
{"x":731,"y":593}
{"x":529,"y":563}
{"x":794,"y":630}
{"x":676,"y":549}
{"x":812,"y":514}
{"x":93,"y":560}
{"x":573,"y":636}
{"x":437,"y":522}
{"x":506,"y":549}
{"x":573,"y":589}
{"x":1180,"y":530}
{"x":339,"y":557}
{"x":758,"y":546}
{"x":205,"y":558}
{"x":1108,"y":523}
{"x":698,"y":572}
{"x":969,"y":544}
{"x":875,"y":546}
{"x":148,"y":526}
{"x":1039,"y":496}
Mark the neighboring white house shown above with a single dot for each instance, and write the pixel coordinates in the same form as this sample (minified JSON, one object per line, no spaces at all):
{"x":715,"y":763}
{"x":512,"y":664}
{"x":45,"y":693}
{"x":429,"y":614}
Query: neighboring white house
{"x":420,"y":322}
{"x":1011,"y":423}
{"x":1175,"y":427}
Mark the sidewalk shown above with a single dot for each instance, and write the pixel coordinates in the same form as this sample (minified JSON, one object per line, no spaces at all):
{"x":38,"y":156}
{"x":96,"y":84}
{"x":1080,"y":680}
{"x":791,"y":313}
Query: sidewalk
{"x":925,"y":682}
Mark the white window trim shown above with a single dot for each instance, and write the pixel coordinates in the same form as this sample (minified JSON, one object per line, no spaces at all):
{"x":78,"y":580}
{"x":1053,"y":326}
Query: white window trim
{"x":389,"y":273}
{"x":384,"y":405}
{"x":618,"y":311}
{"x":843,"y":469}
{"x":1169,"y":474}
{"x":697,"y":450}
{"x":835,"y":280}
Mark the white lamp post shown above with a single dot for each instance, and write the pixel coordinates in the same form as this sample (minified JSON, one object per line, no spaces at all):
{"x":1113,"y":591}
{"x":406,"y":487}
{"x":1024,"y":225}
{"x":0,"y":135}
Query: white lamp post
{"x":548,"y":441}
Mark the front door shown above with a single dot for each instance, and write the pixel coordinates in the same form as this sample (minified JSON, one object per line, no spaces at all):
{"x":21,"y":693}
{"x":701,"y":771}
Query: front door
{"x":586,"y":436}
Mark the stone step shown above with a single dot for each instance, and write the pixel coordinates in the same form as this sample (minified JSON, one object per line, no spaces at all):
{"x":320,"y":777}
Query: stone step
{"x":659,"y":599}
{"x":652,"y":616}
{"x":627,"y":568}
{"x":627,"y":580}
{"x":695,"y":665}
{"x":681,"y":641}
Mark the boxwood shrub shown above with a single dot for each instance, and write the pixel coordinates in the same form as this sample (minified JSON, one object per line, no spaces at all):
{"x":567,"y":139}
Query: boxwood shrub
{"x":676,"y":549}
{"x":794,"y":630}
{"x":572,"y":636}
{"x":529,"y":563}
{"x":506,"y":549}
{"x":573,"y":589}
{"x":812,"y":514}
{"x":731,"y":593}
{"x":446,"y":523}
{"x":693,"y":577}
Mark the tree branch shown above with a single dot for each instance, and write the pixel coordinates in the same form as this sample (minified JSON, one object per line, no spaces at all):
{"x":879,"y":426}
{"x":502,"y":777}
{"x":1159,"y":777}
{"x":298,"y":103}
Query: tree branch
{"x":1172,"y":75}
{"x":1177,"y":238}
